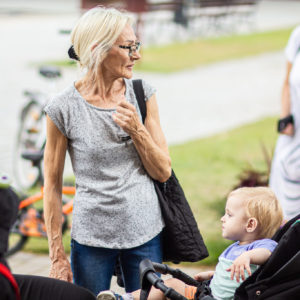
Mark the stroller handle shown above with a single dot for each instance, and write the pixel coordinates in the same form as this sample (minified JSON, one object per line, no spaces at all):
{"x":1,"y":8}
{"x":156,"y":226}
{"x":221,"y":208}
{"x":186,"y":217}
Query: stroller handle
{"x":148,"y":277}
{"x":176,"y":273}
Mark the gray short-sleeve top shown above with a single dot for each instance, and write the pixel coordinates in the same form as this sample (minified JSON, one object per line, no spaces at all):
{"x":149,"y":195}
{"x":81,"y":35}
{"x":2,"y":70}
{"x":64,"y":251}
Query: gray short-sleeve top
{"x":115,"y":205}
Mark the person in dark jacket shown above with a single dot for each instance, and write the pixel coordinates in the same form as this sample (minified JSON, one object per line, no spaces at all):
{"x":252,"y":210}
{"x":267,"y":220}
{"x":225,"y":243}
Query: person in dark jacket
{"x":8,"y":213}
{"x":27,"y":287}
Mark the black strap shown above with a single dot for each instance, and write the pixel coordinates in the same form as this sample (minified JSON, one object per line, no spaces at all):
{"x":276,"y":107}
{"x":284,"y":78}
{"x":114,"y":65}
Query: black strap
{"x":140,"y":97}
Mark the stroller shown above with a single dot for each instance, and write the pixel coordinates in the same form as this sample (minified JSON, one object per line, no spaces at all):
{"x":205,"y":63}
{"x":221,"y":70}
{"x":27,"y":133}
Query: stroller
{"x":277,"y":279}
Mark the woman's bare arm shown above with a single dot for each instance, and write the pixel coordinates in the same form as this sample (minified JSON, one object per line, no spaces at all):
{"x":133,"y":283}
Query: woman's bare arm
{"x":54,"y":160}
{"x":149,"y":140}
{"x":286,"y":100}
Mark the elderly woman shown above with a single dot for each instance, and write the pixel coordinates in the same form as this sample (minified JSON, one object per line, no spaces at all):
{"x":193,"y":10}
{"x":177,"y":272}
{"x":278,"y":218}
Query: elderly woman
{"x":114,"y":157}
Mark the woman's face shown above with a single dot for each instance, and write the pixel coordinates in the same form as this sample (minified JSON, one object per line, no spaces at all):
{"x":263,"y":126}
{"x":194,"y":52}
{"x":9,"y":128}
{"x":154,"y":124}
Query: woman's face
{"x":119,"y":62}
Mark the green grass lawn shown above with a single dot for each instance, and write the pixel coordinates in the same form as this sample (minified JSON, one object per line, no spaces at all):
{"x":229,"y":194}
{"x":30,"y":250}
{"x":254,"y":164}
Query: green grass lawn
{"x":181,"y":56}
{"x":208,"y":168}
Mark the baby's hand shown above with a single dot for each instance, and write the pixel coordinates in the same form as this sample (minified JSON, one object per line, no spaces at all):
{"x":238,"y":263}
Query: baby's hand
{"x":238,"y":267}
{"x":204,"y":275}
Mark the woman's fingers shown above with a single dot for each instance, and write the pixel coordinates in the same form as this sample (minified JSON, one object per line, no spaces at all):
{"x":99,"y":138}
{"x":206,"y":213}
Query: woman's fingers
{"x":126,"y":116}
{"x":122,"y":117}
{"x":119,"y":120}
{"x":289,"y":130}
{"x":125,"y":104}
{"x":61,"y":270}
{"x":124,"y":111}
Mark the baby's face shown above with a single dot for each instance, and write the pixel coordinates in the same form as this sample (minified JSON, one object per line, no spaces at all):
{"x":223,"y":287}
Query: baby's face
{"x":234,"y":221}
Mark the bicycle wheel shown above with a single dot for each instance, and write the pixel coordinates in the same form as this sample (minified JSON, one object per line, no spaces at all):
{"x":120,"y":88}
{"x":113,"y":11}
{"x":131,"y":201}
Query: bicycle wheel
{"x":65,"y":219}
{"x":16,"y":240}
{"x":31,"y":137}
{"x":65,"y":224}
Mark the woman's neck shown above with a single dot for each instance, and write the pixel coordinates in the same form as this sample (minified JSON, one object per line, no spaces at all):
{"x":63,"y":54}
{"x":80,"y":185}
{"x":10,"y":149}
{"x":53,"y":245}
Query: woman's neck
{"x":101,"y":91}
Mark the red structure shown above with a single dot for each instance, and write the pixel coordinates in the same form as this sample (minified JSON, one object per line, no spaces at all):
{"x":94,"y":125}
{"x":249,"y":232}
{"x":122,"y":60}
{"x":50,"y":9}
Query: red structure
{"x":135,"y":6}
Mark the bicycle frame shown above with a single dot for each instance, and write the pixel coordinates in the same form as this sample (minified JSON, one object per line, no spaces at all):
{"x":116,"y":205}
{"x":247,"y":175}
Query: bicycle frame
{"x":30,"y":221}
{"x":66,"y":208}
{"x":31,"y":135}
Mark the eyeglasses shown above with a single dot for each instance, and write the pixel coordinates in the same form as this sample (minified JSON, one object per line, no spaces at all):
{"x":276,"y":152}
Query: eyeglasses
{"x":132,"y":49}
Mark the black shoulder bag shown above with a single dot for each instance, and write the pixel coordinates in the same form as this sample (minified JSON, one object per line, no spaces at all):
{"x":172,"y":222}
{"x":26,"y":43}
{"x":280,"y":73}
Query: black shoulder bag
{"x":181,"y":237}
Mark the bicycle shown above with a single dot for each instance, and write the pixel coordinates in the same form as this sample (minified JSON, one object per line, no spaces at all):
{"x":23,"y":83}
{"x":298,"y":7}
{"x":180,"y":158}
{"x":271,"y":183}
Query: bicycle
{"x":28,"y":168}
{"x":30,"y":220}
{"x":31,"y":136}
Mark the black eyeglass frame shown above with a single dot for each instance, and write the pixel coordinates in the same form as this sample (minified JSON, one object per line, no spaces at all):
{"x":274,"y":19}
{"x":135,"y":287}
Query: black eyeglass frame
{"x":137,"y":47}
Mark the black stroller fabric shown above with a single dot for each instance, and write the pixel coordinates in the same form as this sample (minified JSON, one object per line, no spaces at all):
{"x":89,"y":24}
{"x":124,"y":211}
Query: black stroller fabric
{"x":279,"y":278}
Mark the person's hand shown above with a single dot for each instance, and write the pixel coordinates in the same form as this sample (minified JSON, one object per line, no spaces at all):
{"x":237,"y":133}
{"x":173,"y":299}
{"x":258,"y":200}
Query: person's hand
{"x":204,"y":275}
{"x":238,"y":267}
{"x":288,"y":130}
{"x":126,"y":117}
{"x":61,"y":269}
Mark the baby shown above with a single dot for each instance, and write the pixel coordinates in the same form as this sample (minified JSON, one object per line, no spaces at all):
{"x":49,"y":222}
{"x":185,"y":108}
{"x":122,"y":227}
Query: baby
{"x":252,"y":216}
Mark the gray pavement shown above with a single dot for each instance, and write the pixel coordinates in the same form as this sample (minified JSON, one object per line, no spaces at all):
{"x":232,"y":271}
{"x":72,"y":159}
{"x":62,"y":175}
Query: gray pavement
{"x":193,"y":103}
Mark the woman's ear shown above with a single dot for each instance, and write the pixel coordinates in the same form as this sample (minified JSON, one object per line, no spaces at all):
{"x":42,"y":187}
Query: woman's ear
{"x":251,"y":225}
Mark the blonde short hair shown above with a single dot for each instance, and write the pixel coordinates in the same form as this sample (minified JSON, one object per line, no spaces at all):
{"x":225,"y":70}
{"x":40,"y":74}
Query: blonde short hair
{"x":99,"y":27}
{"x":262,"y":204}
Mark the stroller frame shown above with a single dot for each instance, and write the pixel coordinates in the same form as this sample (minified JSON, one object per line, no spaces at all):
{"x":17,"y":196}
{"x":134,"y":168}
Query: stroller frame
{"x":149,"y":277}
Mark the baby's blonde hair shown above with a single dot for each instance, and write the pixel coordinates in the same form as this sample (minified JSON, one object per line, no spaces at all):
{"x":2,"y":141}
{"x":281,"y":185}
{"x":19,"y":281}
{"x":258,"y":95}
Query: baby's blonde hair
{"x":99,"y":27}
{"x":262,"y":204}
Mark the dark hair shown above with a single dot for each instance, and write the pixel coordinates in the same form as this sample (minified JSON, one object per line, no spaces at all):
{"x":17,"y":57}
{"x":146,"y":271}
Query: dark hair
{"x":72,"y":53}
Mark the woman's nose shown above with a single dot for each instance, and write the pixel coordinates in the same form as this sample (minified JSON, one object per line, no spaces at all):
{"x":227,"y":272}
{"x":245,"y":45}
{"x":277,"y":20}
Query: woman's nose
{"x":136,"y":55}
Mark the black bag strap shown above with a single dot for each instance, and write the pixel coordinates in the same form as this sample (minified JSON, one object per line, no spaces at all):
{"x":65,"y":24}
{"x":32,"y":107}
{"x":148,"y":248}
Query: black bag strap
{"x":140,"y":97}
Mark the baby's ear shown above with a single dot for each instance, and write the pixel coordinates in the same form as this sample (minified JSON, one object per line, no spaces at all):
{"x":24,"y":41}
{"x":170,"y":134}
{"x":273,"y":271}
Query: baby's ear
{"x":251,"y":225}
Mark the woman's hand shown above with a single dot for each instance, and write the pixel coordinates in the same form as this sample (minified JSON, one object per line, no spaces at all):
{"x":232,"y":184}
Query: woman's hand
{"x":204,"y":275}
{"x":288,"y":130}
{"x":61,"y":269}
{"x":147,"y":138}
{"x":127,"y":117}
{"x":238,"y":267}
